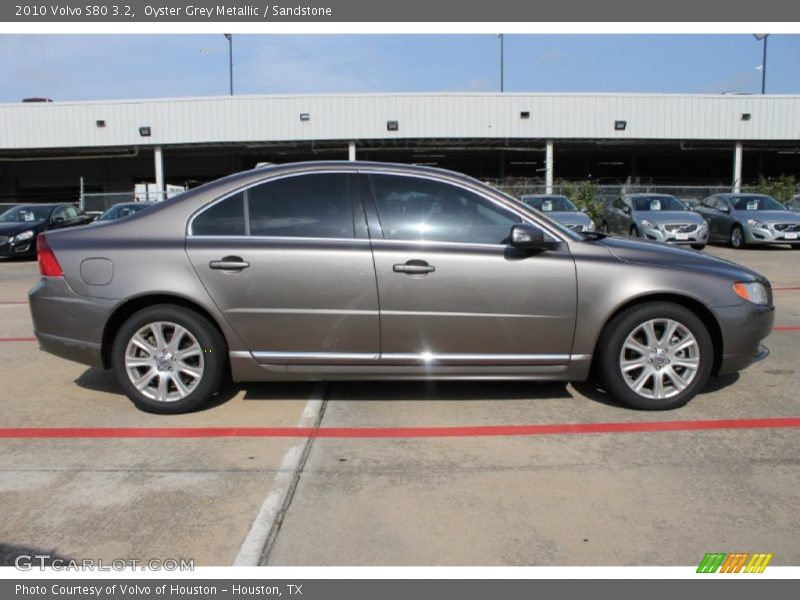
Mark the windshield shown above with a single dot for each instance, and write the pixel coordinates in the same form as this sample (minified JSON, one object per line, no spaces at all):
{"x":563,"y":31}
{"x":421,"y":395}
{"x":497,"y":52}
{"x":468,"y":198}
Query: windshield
{"x":117,"y":212}
{"x":551,"y":204}
{"x":25,"y":214}
{"x":655,"y":203}
{"x":756,"y":203}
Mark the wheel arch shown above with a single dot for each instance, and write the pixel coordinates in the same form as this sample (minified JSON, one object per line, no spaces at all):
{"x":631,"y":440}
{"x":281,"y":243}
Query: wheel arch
{"x":698,"y":308}
{"x":133,"y":305}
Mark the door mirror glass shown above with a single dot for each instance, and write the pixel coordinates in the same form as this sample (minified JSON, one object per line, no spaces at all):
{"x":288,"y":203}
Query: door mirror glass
{"x":723,"y":208}
{"x":527,"y":237}
{"x":626,"y":209}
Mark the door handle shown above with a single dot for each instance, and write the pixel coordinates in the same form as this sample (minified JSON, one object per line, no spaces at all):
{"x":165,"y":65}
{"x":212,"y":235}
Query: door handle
{"x":229,"y":263}
{"x":414,"y":267}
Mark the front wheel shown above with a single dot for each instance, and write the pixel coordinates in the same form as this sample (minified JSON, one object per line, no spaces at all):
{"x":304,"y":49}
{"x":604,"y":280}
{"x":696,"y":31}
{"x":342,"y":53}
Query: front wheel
{"x":737,"y":237}
{"x":655,"y":356}
{"x":169,"y":359}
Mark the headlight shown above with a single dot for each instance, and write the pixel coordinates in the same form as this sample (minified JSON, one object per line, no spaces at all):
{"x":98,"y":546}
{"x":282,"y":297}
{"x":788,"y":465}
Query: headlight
{"x":25,"y":235}
{"x":649,"y":224}
{"x":752,"y":292}
{"x":756,"y":224}
{"x":589,"y":227}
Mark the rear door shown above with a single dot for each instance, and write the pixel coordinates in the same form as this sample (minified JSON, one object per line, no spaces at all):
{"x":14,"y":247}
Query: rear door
{"x":452,"y":291}
{"x":289,"y":264}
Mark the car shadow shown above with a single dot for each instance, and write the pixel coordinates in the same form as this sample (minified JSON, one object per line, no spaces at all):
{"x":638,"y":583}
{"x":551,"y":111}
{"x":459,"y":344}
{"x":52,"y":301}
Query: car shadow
{"x":99,"y":380}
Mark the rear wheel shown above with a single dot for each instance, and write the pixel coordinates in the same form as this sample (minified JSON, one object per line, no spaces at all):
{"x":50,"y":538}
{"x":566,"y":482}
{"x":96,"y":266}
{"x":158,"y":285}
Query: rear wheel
{"x":655,"y":356}
{"x":737,"y":237}
{"x":169,"y":359}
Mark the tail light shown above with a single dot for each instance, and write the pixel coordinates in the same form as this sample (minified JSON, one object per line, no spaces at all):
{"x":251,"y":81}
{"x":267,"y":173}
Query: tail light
{"x":48,"y":264}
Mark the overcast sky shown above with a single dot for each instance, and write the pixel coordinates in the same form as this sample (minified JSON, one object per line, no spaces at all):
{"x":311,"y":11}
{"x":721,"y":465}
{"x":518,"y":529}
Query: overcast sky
{"x":87,"y":67}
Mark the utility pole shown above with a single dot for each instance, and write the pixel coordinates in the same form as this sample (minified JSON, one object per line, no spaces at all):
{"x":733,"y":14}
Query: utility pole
{"x":229,"y":37}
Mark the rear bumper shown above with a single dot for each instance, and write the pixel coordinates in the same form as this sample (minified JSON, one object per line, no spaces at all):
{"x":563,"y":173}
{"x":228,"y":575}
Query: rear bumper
{"x":67,"y":324}
{"x":744,"y":329}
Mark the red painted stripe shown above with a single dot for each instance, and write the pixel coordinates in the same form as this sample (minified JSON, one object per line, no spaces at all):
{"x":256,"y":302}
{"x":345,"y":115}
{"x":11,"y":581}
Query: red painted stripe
{"x":18,"y":339}
{"x":12,"y":302}
{"x":786,"y":328}
{"x":394,"y":432}
{"x":786,"y":288}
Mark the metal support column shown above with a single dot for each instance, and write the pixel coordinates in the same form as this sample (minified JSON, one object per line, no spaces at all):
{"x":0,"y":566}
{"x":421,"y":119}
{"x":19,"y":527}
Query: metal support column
{"x":548,"y":167}
{"x":737,"y":168}
{"x":158,"y":157}
{"x":351,"y":151}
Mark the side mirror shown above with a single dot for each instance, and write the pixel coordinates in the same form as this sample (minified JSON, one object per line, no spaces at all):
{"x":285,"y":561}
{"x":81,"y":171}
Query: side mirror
{"x":527,"y":237}
{"x":626,"y":209}
{"x":725,"y":209}
{"x":56,"y":220}
{"x":584,"y":209}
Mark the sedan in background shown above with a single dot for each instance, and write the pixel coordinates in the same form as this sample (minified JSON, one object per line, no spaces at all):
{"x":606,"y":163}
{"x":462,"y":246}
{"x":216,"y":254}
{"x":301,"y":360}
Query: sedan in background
{"x":123,"y":210}
{"x":750,"y":219}
{"x":560,"y":209}
{"x":19,"y":226}
{"x":657,"y":217}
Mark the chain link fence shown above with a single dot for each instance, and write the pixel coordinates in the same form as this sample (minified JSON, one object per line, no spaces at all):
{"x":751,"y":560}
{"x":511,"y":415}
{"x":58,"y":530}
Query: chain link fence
{"x":100,"y":202}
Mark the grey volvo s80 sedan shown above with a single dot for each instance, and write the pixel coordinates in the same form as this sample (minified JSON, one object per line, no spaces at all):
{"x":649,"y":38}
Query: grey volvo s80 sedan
{"x":356,"y":270}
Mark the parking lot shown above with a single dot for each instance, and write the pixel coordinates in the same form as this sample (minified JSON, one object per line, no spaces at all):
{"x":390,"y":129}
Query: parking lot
{"x":399,"y":473}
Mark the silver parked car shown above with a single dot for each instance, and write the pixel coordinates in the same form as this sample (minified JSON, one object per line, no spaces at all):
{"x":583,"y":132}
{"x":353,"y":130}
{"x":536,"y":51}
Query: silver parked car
{"x":658,"y":217}
{"x":561,"y":209}
{"x":750,"y":219}
{"x":357,"y":270}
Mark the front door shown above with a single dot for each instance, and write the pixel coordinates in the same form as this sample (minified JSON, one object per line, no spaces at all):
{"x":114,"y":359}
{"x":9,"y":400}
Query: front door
{"x":452,"y":291}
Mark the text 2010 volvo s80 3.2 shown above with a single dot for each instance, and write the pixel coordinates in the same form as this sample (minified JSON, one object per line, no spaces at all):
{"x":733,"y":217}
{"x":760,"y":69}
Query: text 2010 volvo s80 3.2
{"x":358,"y":271}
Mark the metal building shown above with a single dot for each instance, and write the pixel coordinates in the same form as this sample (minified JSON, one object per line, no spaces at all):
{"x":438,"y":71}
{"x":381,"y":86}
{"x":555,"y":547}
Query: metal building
{"x":46,"y":149}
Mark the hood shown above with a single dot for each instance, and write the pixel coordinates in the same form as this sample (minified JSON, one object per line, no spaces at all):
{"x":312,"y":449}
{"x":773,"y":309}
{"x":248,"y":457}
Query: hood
{"x":663,"y":217}
{"x":655,"y":253}
{"x":571,"y":217}
{"x":15,"y":228}
{"x":768,"y":216}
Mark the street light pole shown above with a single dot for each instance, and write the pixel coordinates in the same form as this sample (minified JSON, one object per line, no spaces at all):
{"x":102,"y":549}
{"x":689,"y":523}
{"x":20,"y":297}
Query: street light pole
{"x":763,"y":37}
{"x":502,"y":83}
{"x":229,"y":37}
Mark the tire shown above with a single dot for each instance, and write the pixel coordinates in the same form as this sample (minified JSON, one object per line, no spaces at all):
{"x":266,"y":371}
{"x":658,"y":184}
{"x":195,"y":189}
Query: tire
{"x":647,"y":368}
{"x":634,"y":232}
{"x":737,"y":239}
{"x":187,"y":384}
{"x":698,"y":246}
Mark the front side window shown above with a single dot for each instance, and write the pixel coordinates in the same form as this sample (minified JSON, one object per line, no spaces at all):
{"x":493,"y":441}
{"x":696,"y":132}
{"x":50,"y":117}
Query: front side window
{"x":315,"y":205}
{"x":412,"y":208}
{"x":224,"y":218}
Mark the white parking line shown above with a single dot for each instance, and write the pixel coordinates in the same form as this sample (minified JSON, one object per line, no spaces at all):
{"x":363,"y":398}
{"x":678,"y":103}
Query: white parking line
{"x":252,"y":549}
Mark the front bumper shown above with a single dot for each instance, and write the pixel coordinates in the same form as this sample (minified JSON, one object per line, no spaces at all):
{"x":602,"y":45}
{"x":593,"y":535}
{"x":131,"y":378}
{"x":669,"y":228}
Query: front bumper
{"x":758,"y":235}
{"x":744,"y":329}
{"x":25,"y":249}
{"x":67,"y":324}
{"x":699,"y":235}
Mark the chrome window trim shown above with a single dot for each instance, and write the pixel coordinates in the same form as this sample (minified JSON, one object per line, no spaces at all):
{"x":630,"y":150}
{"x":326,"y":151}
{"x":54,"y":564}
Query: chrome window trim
{"x":246,"y":187}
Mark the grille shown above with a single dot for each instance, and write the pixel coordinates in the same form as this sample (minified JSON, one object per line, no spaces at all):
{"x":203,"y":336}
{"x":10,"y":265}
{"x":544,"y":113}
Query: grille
{"x":3,"y":239}
{"x":677,"y":228}
{"x":790,"y":227}
{"x":576,"y":227}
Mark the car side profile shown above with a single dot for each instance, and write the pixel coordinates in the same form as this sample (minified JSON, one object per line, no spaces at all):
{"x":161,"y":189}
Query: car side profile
{"x":658,"y":217}
{"x":750,"y":219}
{"x":560,"y":209}
{"x":371,"y":271}
{"x":20,"y":226}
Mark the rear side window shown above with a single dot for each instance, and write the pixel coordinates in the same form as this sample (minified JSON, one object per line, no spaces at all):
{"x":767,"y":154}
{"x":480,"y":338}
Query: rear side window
{"x":314,"y":205}
{"x":223,"y":218}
